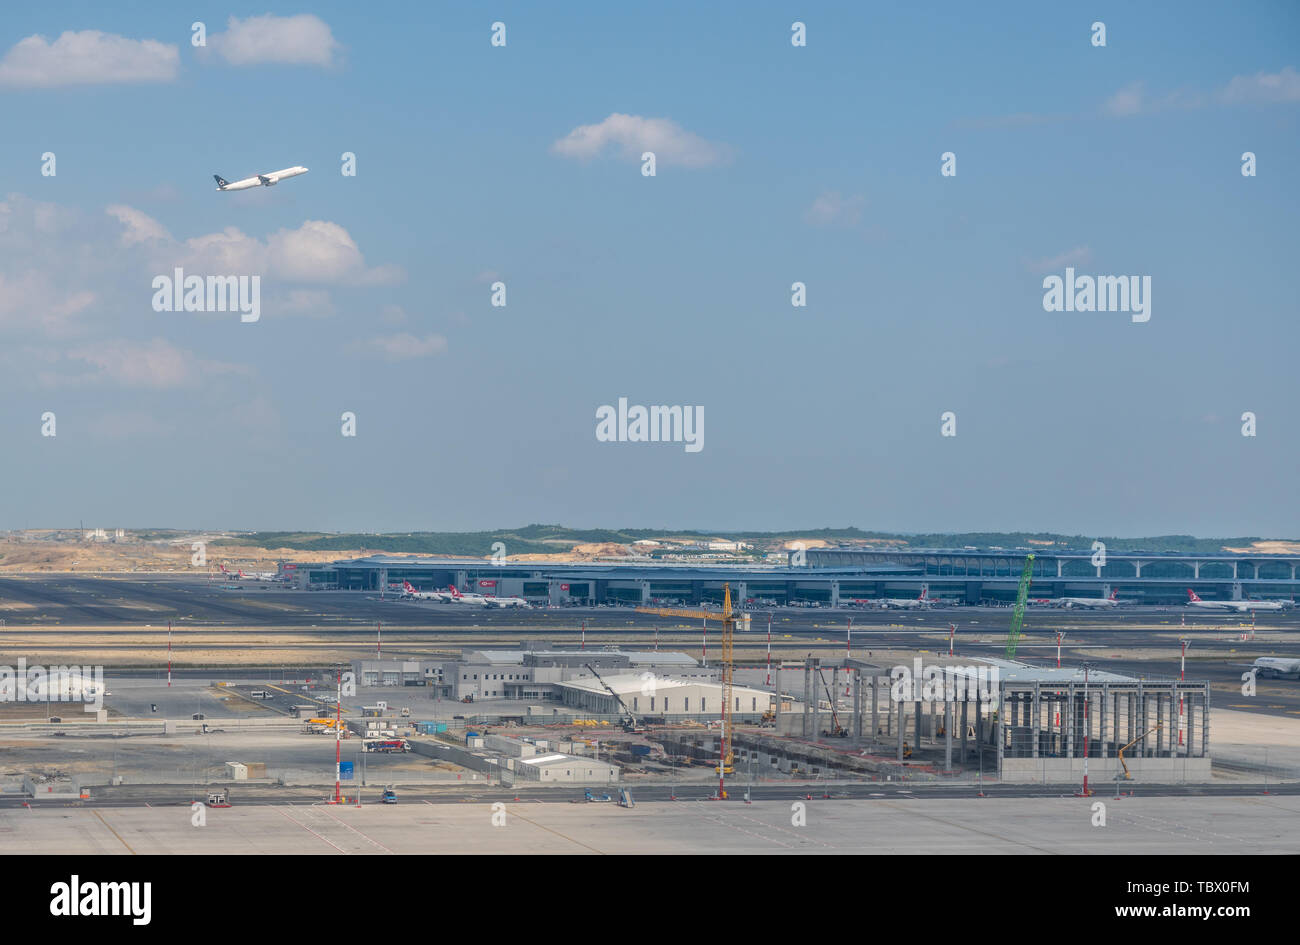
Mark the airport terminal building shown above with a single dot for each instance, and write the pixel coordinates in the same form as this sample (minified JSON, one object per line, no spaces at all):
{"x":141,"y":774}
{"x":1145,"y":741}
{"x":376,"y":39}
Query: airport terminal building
{"x":828,"y":577}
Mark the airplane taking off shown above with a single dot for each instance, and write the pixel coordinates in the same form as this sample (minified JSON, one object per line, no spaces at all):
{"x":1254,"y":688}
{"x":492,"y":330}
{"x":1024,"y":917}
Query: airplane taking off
{"x":1071,"y":602}
{"x":1240,"y":606}
{"x":259,"y":180}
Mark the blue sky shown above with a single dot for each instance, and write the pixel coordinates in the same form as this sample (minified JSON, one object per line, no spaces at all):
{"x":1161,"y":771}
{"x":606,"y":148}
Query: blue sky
{"x":817,"y":164}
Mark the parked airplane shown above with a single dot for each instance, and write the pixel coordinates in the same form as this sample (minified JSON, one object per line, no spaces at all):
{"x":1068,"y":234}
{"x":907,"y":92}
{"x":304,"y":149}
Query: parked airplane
{"x":413,"y":594}
{"x":1277,"y":666}
{"x":905,"y":603}
{"x":259,"y":180}
{"x":1240,"y":606}
{"x":1071,"y":602}
{"x":482,"y":601}
{"x":251,"y":576}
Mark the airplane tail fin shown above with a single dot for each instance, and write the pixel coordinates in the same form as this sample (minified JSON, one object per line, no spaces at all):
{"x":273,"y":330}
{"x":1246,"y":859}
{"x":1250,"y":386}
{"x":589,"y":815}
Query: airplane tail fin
{"x":221,"y":181}
{"x":454,"y":591}
{"x":1114,"y":594}
{"x":406,"y":586}
{"x":1191,"y":594}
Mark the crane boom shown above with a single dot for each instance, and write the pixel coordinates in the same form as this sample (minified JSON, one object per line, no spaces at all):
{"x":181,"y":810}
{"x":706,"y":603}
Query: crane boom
{"x":630,"y":724}
{"x":728,"y":620}
{"x":1018,"y":617}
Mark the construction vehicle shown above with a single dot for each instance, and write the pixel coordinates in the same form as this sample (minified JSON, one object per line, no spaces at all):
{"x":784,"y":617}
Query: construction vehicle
{"x":907,"y":750}
{"x":630,"y":723}
{"x":218,"y":799}
{"x":728,"y":620}
{"x":1018,"y":617}
{"x":837,"y":730}
{"x":1125,"y":776}
{"x":385,"y":744}
{"x":326,"y":726}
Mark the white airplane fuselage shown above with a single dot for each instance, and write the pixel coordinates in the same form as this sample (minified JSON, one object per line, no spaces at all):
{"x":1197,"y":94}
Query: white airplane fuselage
{"x":1240,"y":606}
{"x":260,"y":180}
{"x":1277,"y":666}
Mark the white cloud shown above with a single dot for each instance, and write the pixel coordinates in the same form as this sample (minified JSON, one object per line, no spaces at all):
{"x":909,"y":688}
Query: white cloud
{"x":404,"y":346}
{"x":156,"y":364}
{"x":1071,"y":257}
{"x":87,"y":58}
{"x":832,"y":207}
{"x":630,"y":135}
{"x":1126,"y":102}
{"x":125,"y":424}
{"x":1281,"y":86}
{"x":312,"y":302}
{"x":318,"y":252}
{"x":140,"y":227}
{"x":302,"y":40}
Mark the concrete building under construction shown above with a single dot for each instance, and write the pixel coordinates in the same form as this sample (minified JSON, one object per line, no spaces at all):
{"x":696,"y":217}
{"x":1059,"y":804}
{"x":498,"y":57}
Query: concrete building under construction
{"x":1021,"y":723}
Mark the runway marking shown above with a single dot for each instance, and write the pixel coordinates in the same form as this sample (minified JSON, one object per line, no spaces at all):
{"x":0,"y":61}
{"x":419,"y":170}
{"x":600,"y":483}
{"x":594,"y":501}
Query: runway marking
{"x":113,"y":832}
{"x":561,"y":835}
{"x":310,"y":831}
{"x":326,"y":812}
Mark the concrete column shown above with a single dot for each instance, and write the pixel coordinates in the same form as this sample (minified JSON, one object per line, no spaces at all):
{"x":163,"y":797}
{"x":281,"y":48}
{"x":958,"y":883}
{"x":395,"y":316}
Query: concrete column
{"x":855,"y":679}
{"x":965,"y":724}
{"x":875,"y":706}
{"x":383,"y":580}
{"x":835,"y":593}
{"x":1141,"y":746}
{"x":807,"y":698}
{"x":1068,"y":720}
{"x":1036,"y":719}
{"x":1205,"y":722}
{"x":814,"y":677}
{"x":1101,"y":719}
{"x":1160,"y":721}
{"x":916,"y":726}
{"x":947,"y":735}
{"x":900,"y":728}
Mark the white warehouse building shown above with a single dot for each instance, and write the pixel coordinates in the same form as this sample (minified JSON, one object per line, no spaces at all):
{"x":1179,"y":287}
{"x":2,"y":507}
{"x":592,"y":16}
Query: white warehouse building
{"x":654,"y":695}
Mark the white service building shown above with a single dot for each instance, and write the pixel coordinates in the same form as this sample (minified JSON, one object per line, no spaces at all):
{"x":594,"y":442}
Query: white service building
{"x":647,"y":694}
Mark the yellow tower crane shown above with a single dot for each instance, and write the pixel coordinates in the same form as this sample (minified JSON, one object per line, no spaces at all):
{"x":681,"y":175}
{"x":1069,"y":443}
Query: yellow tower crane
{"x":728,"y":620}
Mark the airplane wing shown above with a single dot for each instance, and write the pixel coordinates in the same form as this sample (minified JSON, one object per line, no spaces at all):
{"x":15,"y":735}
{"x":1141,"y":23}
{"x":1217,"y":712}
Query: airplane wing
{"x":265,"y":181}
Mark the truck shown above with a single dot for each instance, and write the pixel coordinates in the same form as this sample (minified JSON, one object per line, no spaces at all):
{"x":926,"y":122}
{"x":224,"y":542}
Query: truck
{"x":386,"y":744}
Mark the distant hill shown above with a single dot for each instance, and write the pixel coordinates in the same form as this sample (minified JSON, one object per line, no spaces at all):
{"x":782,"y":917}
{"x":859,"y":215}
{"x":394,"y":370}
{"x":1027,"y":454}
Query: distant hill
{"x":556,"y":539}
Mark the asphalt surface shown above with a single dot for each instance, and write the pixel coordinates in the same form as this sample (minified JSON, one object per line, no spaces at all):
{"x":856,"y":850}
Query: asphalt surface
{"x":129,"y":614}
{"x":184,"y":794}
